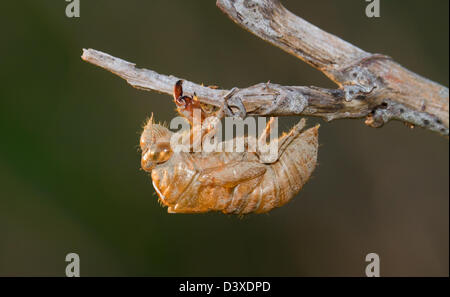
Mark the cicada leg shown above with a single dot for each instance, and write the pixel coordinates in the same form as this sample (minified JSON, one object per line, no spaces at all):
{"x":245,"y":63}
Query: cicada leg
{"x":283,"y":141}
{"x":212,"y":123}
{"x":225,"y":110}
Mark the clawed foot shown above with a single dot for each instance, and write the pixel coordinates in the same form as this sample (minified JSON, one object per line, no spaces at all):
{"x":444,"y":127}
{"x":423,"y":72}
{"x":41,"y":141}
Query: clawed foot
{"x":237,"y":102}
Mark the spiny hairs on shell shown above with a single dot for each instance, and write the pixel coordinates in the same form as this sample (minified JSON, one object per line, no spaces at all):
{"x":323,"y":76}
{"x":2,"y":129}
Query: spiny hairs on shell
{"x":156,"y":131}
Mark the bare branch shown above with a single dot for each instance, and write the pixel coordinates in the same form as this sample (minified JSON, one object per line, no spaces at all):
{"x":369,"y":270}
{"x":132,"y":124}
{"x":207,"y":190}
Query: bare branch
{"x":370,"y":85}
{"x":396,"y":92}
{"x":265,"y":99}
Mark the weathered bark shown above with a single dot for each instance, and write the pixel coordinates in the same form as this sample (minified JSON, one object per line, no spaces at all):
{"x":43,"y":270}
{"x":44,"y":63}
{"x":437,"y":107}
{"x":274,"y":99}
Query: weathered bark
{"x":369,"y":85}
{"x":389,"y":90}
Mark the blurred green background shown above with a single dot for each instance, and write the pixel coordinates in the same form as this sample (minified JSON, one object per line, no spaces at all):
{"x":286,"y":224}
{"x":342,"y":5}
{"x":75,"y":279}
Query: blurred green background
{"x":70,"y":168}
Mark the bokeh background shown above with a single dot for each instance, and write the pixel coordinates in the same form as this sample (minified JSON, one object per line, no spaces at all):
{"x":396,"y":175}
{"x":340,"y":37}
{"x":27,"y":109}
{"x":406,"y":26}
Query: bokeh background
{"x":70,"y":178}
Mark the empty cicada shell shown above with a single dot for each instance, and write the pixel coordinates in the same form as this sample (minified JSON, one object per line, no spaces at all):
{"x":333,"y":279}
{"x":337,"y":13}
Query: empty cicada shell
{"x":230,"y":182}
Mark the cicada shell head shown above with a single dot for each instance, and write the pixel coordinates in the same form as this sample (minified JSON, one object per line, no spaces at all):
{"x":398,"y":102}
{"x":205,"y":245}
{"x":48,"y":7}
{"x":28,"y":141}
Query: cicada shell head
{"x":155,"y":145}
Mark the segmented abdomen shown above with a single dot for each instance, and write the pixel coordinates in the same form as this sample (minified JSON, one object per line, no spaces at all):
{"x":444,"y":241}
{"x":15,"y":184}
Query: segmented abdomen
{"x":293,"y":169}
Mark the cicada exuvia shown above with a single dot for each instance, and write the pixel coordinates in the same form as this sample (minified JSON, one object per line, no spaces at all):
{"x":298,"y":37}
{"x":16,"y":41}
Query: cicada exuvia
{"x":230,"y":182}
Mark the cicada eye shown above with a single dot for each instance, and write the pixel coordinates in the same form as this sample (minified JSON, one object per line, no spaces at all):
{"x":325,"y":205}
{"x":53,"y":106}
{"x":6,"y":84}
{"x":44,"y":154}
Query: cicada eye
{"x":160,"y":152}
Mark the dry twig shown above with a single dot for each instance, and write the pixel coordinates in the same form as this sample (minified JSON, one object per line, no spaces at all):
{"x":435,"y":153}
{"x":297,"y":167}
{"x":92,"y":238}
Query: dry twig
{"x":370,"y":85}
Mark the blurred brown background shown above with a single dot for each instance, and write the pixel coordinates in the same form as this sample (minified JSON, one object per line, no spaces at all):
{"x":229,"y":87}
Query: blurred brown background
{"x":69,"y":164}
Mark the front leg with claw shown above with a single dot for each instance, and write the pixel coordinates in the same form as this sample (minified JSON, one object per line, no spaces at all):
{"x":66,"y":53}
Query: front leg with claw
{"x":226,"y":110}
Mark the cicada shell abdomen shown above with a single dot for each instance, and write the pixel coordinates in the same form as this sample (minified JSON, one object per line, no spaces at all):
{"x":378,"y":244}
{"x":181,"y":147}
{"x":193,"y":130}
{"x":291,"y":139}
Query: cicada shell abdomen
{"x":282,"y":179}
{"x":292,"y":170}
